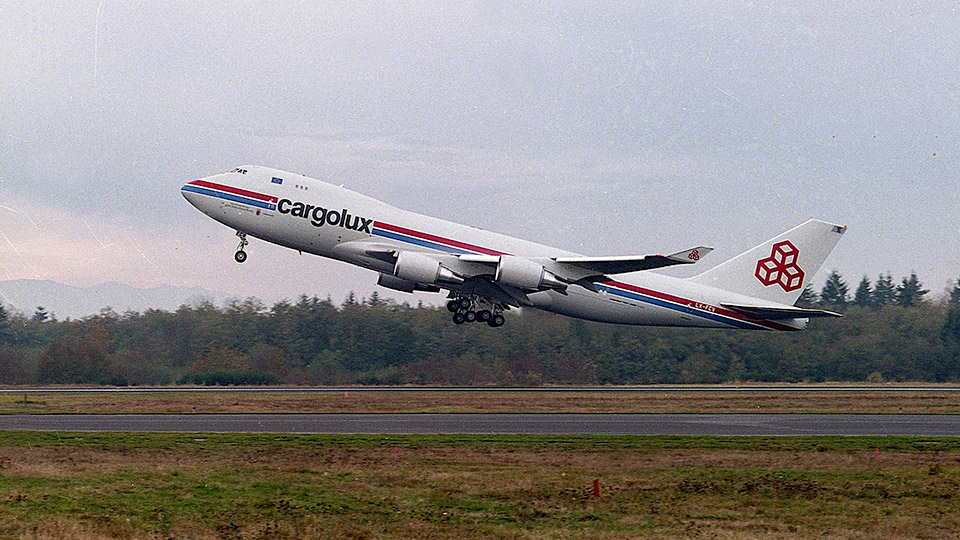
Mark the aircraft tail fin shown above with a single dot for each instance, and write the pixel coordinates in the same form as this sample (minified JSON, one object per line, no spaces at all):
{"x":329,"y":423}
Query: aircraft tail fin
{"x":778,"y":269}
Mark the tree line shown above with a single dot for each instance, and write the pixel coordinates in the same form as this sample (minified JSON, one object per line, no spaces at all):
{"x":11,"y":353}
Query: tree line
{"x":883,"y":292}
{"x":888,"y":333}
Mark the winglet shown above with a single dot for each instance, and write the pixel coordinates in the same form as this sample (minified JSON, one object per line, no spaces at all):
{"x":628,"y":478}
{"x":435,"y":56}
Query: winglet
{"x":690,"y":256}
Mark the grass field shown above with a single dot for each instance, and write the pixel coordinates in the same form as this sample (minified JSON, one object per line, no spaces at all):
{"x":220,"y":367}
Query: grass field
{"x":227,"y":486}
{"x":100,"y":486}
{"x":745,"y":401}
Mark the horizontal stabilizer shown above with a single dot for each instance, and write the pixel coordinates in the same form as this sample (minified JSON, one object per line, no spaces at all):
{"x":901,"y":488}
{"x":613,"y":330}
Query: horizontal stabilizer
{"x":781,"y":312}
{"x":635,"y":263}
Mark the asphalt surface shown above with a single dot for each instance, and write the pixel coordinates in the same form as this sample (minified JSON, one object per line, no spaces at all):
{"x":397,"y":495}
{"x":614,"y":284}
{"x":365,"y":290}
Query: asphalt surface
{"x":533,"y":424}
{"x":402,"y":389}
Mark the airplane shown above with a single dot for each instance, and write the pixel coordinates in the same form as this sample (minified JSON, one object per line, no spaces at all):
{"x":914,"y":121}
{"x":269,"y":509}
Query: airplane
{"x":485,"y":273}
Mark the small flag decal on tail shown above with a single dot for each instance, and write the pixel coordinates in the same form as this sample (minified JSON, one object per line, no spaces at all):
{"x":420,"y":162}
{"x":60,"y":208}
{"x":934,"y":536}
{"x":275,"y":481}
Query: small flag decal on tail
{"x":276,"y":180}
{"x":839,"y":230}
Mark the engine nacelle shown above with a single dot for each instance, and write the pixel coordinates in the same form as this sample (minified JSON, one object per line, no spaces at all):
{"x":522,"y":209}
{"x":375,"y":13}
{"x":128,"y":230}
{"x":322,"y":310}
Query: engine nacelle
{"x":526,"y":275}
{"x":421,"y":268}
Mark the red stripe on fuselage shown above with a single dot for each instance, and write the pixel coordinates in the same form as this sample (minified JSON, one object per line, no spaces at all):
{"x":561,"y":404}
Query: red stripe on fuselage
{"x":640,"y":290}
{"x":689,"y":303}
{"x":235,"y":191}
{"x":437,"y":239}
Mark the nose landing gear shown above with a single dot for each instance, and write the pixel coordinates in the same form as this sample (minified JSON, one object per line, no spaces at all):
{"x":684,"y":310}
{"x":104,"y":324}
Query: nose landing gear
{"x":241,"y":255}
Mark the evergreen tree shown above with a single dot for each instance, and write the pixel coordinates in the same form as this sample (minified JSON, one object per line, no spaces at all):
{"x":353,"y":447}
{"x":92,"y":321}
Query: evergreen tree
{"x":910,"y":292}
{"x":864,"y":295}
{"x":807,"y":297}
{"x":834,"y":291}
{"x":951,"y":327}
{"x":41,"y":315}
{"x":351,"y":299}
{"x":375,"y":299}
{"x":6,"y":333}
{"x":884,"y":292}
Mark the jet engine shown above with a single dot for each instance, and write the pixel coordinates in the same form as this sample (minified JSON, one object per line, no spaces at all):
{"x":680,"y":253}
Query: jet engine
{"x":421,"y":268}
{"x":404,"y":285}
{"x":526,"y":275}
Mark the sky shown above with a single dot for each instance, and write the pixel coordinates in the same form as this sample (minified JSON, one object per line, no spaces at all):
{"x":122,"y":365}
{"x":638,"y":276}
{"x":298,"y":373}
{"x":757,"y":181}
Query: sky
{"x":601,"y":128}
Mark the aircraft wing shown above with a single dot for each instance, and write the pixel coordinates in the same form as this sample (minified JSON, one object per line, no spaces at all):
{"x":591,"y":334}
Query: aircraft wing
{"x":780,"y":312}
{"x":593,"y":265}
{"x":584,"y":271}
{"x":480,"y":274}
{"x":622,"y":265}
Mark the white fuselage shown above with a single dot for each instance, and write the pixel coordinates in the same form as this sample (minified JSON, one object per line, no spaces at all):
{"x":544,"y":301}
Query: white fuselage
{"x":316,"y":217}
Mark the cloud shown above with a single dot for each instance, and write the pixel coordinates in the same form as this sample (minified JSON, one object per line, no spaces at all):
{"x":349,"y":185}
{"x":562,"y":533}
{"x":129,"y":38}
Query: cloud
{"x":596,"y":128}
{"x":42,"y":242}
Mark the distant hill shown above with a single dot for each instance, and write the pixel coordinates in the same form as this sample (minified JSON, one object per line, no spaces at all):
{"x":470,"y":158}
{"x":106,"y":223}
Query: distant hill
{"x":67,"y":301}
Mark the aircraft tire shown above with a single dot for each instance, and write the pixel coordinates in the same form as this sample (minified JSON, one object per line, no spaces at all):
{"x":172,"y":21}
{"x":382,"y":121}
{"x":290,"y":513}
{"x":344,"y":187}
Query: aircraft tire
{"x":484,"y":315}
{"x":240,"y":256}
{"x":470,"y":316}
{"x":453,"y":306}
{"x":458,"y":318}
{"x":496,"y":321}
{"x":465,"y":303}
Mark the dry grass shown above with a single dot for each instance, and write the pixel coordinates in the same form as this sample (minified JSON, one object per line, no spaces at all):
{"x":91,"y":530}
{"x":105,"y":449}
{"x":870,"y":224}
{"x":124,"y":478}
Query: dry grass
{"x":745,"y":401}
{"x":211,"y":487}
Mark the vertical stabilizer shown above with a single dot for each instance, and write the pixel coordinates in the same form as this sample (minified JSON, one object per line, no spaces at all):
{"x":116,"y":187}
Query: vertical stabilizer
{"x":779,"y":269}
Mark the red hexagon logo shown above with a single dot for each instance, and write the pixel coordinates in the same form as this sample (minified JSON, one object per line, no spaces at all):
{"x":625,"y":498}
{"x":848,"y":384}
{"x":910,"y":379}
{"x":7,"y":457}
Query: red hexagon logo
{"x":781,"y":267}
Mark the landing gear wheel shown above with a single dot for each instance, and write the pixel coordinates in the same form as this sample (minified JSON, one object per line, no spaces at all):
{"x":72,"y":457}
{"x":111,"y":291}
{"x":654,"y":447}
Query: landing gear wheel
{"x":465,"y":303}
{"x":484,"y":315}
{"x":453,"y":306}
{"x":458,"y":318}
{"x":496,"y":321}
{"x":470,"y":316}
{"x":241,"y":255}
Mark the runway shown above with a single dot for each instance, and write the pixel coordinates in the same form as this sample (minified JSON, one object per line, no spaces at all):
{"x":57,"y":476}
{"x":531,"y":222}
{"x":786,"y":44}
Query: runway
{"x":503,"y":424}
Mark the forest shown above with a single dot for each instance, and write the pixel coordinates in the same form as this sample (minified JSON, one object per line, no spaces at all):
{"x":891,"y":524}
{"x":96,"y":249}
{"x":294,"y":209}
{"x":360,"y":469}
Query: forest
{"x":889,"y":332}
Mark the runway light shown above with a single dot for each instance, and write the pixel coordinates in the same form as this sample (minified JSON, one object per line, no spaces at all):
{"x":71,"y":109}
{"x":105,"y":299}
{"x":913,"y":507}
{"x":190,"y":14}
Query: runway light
{"x":596,"y":487}
{"x":877,"y":455}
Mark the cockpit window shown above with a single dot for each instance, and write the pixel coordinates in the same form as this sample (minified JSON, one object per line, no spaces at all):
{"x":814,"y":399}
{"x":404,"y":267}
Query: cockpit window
{"x":239,"y":170}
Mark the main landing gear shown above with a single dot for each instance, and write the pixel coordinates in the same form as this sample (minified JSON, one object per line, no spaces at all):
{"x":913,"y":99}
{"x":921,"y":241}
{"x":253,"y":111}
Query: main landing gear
{"x":241,"y":255}
{"x":465,"y":310}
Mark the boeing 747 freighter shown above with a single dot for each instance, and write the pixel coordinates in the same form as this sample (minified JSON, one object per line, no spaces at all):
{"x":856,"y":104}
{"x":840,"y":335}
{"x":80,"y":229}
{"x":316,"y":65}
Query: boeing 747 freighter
{"x":485,"y":273}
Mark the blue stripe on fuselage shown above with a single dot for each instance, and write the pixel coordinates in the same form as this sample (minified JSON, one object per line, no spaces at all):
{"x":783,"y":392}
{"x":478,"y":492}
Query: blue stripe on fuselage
{"x":676,"y":307}
{"x":229,"y":197}
{"x":612,"y":290}
{"x":419,"y":242}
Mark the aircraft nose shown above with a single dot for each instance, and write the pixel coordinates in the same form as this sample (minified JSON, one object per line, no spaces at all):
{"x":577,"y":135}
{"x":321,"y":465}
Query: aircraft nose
{"x":190,"y":191}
